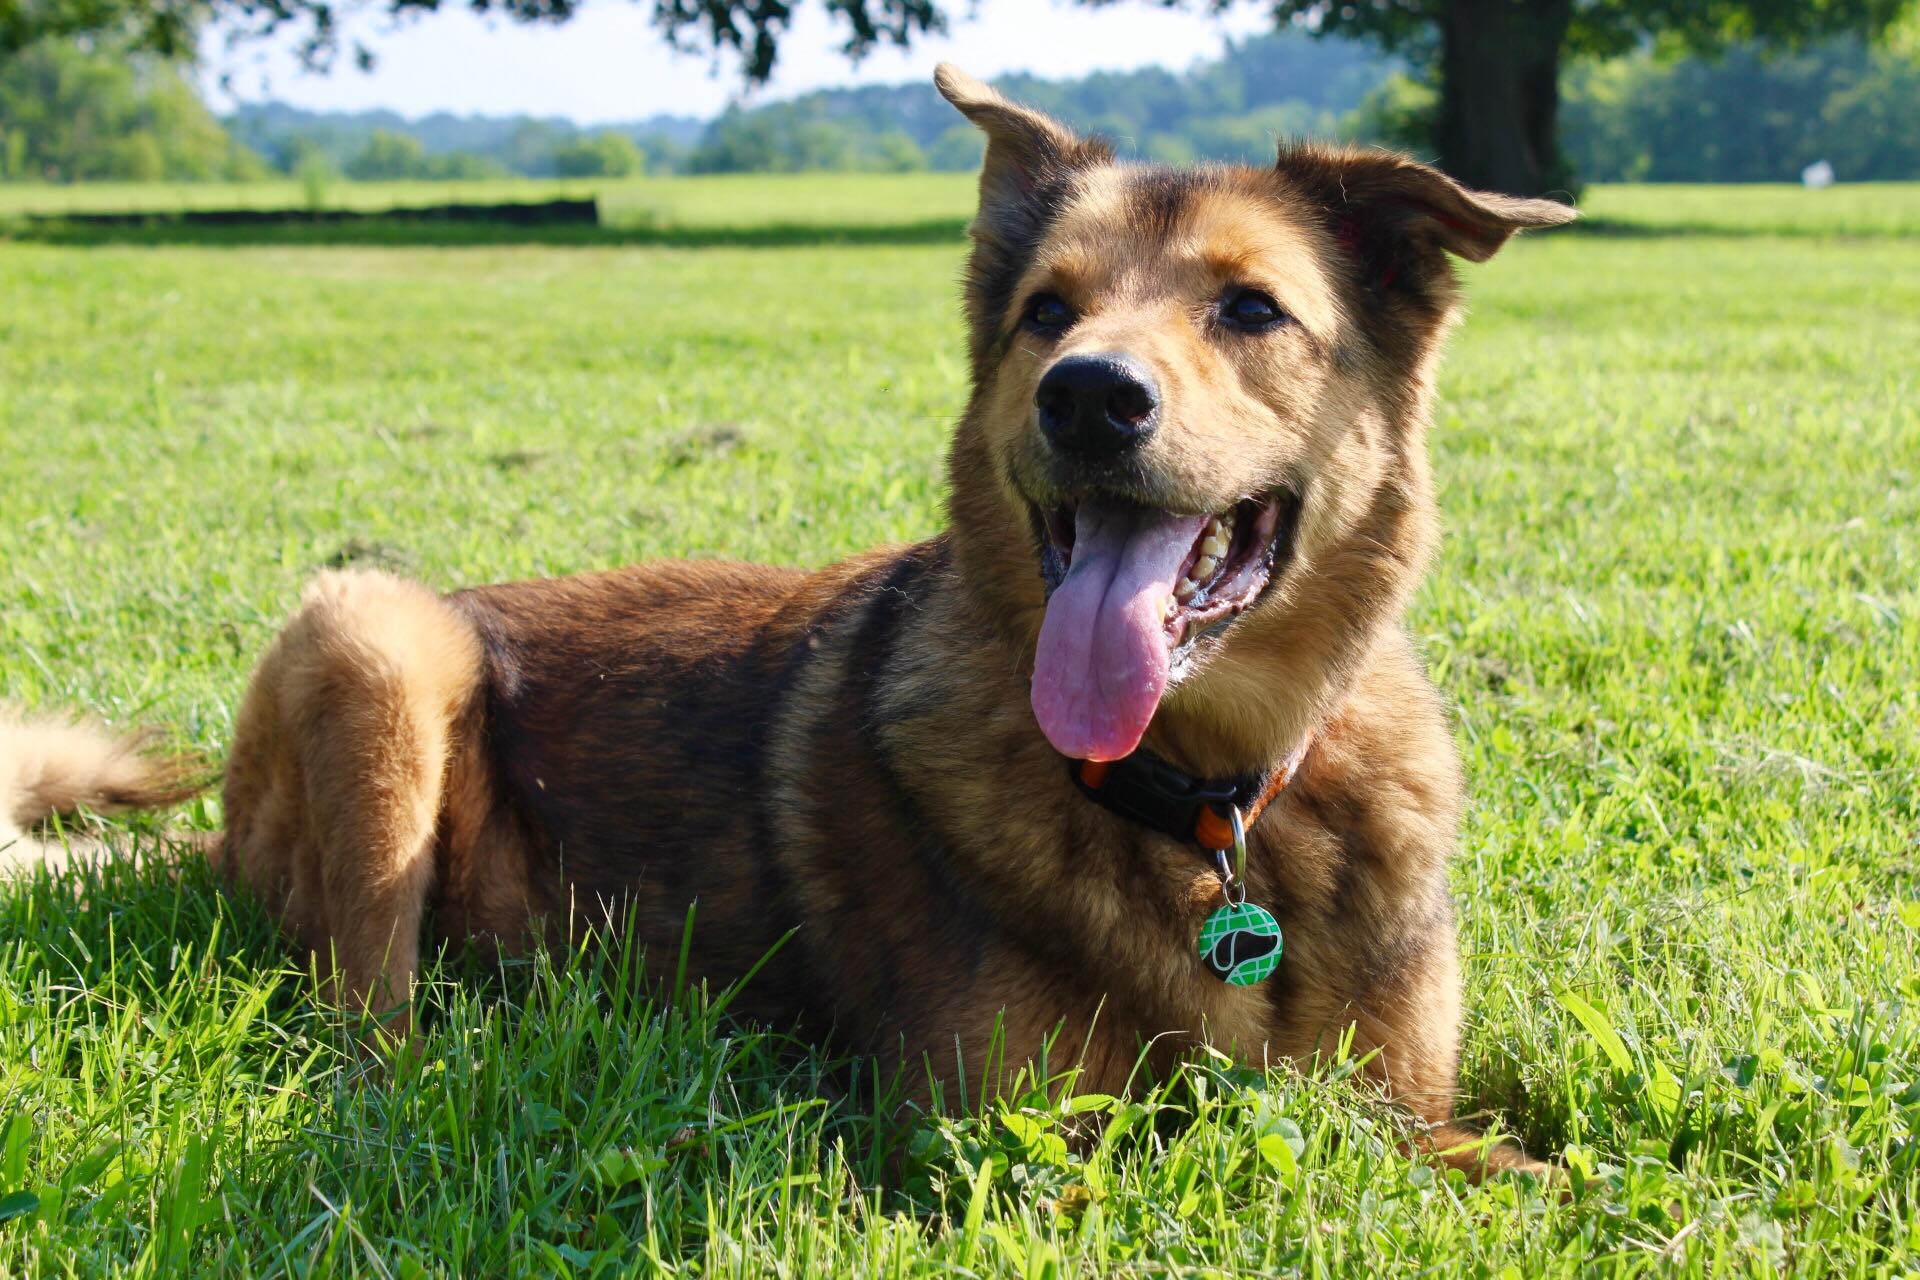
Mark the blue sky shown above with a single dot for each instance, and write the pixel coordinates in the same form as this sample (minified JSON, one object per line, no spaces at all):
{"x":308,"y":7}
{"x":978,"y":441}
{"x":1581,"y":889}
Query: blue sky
{"x":609,"y":64}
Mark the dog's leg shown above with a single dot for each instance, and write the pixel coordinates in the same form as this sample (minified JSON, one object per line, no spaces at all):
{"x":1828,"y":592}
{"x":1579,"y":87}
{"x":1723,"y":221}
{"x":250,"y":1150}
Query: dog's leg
{"x":335,"y":783}
{"x":1416,"y":1067}
{"x":1407,"y":1030}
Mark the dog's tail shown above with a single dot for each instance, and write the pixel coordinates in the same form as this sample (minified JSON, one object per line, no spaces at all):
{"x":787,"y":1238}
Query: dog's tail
{"x":54,"y":766}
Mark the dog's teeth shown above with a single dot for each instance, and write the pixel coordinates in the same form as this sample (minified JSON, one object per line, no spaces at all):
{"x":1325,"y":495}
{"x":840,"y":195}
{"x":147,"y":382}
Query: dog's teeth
{"x":1213,"y":546}
{"x":1203,"y":567}
{"x":1184,"y":589}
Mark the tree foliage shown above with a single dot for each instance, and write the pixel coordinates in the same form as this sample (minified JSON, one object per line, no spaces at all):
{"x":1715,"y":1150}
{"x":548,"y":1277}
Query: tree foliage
{"x":600,"y":155}
{"x":389,"y":155}
{"x":799,"y":137}
{"x":752,"y":29}
{"x":1746,"y":115}
{"x":1235,"y":107}
{"x":164,"y":27}
{"x":68,"y":113}
{"x":1606,"y":28}
{"x":1497,"y":64}
{"x":1748,"y":112}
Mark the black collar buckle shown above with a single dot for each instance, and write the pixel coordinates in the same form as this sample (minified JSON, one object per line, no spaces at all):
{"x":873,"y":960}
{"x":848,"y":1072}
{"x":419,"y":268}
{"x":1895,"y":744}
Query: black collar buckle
{"x":1148,"y":790}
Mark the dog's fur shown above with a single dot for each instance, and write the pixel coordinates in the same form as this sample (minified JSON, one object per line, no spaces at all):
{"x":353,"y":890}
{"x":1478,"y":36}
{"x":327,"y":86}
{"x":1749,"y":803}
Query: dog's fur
{"x":848,"y":756}
{"x":52,"y":765}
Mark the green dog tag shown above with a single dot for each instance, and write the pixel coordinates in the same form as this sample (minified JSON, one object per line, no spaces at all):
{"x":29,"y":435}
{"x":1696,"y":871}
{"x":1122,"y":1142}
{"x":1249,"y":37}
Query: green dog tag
{"x":1240,"y":943}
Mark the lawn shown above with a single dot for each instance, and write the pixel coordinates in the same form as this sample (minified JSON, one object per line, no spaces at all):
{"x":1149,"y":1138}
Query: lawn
{"x":756,"y":208}
{"x":812,"y":206}
{"x":1676,"y":612}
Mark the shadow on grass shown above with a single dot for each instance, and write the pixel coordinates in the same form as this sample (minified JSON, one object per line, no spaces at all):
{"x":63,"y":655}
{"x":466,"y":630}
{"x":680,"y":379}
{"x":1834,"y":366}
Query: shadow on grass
{"x":406,"y":233}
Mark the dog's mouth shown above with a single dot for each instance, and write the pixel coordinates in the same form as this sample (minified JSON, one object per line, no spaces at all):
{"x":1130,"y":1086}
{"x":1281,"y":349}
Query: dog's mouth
{"x":1131,"y":592}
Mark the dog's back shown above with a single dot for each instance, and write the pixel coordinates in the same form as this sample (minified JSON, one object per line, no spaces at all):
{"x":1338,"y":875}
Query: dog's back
{"x":628,"y":718}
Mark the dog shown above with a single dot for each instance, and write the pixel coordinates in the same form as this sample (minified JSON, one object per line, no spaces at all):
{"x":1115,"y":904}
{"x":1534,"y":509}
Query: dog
{"x":1136,"y":755}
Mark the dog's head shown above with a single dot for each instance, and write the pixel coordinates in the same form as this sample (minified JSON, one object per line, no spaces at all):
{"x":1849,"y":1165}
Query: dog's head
{"x":1193,"y":467}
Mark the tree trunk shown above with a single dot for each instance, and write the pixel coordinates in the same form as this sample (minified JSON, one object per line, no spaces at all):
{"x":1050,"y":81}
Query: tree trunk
{"x":1500,"y":94}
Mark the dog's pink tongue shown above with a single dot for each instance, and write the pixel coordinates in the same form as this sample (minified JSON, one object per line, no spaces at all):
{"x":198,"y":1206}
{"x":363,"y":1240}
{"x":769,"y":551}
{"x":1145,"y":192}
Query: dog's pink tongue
{"x":1102,"y":662}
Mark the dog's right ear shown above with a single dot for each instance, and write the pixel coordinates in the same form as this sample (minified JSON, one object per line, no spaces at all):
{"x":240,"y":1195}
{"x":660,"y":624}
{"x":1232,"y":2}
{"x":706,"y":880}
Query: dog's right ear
{"x":1399,"y":219}
{"x":1026,"y":151}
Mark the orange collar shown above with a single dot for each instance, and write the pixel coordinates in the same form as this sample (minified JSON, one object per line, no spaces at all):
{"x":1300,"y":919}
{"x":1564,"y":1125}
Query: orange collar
{"x":1152,"y":792}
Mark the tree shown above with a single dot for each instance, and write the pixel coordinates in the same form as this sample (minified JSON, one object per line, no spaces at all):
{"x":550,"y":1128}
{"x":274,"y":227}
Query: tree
{"x":957,"y":150}
{"x":750,"y":28}
{"x":68,"y":113}
{"x":600,"y":155}
{"x":802,"y":136}
{"x":165,"y":27}
{"x":386,"y":157}
{"x":895,"y":152}
{"x":1498,"y":63}
{"x":1744,"y":117}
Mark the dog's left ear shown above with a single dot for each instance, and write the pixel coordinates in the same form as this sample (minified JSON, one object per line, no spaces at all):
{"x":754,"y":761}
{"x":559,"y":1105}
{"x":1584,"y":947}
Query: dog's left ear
{"x":1026,"y":150}
{"x":1397,"y":214}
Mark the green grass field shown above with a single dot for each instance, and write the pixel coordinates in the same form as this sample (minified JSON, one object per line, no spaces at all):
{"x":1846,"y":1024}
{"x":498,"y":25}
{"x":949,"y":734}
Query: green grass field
{"x":868,"y":206}
{"x":1676,"y":610}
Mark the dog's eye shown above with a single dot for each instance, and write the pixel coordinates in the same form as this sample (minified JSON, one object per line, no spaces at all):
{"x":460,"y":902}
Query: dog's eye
{"x":1250,"y":309}
{"x":1047,"y":313}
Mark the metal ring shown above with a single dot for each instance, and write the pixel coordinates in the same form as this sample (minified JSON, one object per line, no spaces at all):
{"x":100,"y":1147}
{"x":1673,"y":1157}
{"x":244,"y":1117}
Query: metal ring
{"x":1239,"y":843}
{"x":1232,"y":887}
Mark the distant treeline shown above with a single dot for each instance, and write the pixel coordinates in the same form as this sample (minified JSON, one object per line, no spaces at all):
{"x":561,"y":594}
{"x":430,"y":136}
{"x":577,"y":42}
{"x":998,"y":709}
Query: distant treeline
{"x":1234,"y":108}
{"x":68,"y":113}
{"x":384,"y":144}
{"x":1286,"y":83}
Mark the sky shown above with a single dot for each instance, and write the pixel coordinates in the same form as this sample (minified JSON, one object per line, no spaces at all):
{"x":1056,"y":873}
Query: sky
{"x":609,"y":64}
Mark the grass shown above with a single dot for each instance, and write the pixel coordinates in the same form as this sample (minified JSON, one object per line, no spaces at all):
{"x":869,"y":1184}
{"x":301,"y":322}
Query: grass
{"x":880,"y":205}
{"x":1676,"y":612}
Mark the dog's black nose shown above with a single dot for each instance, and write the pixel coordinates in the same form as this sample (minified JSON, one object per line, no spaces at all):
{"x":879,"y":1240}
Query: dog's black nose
{"x":1097,"y":407}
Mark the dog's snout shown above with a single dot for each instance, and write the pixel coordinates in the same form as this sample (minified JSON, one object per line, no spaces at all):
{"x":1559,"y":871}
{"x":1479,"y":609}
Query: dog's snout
{"x":1097,"y":406}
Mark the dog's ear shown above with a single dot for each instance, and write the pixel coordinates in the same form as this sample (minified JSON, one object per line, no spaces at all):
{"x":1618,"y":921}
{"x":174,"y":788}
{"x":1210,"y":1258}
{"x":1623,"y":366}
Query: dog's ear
{"x":1398,"y":215}
{"x":1026,"y":150}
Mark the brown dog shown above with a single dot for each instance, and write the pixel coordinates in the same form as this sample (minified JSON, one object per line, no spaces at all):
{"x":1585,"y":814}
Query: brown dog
{"x":985,"y":785}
